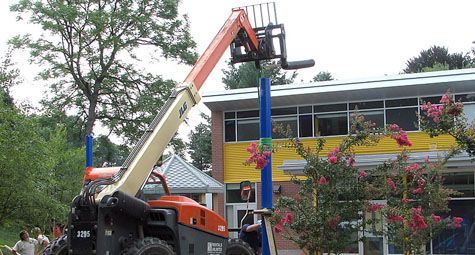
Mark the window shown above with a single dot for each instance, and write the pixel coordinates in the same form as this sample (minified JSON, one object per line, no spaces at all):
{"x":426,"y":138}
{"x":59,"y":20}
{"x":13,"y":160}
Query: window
{"x":331,"y":124}
{"x":366,"y":105}
{"x":376,"y":117}
{"x":462,"y":182}
{"x":229,"y":130}
{"x":305,"y":125}
{"x":406,"y":118}
{"x":248,"y":130}
{"x":286,"y":123}
{"x":233,"y":193}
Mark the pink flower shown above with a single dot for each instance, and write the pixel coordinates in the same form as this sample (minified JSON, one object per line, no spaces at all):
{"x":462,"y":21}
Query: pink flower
{"x":395,"y":218}
{"x":402,"y":139}
{"x":289,"y":218}
{"x":252,"y":148}
{"x":417,"y":222}
{"x":444,"y":99}
{"x":394,"y":128}
{"x":411,"y":168}
{"x":375,"y":207}
{"x":405,"y":200}
{"x":362,"y":174}
{"x":436,"y":218}
{"x":391,"y":183}
{"x":350,"y":161}
{"x":417,"y":191}
{"x":323,"y":180}
{"x":456,"y":222}
{"x":332,"y":160}
{"x":278,"y":229}
{"x":426,"y":160}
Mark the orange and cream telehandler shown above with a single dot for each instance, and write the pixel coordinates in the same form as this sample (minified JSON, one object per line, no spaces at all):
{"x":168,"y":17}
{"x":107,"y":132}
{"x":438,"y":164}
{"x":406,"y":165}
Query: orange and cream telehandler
{"x":110,"y":216}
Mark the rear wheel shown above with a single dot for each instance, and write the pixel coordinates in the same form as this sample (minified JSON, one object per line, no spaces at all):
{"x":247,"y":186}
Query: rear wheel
{"x":148,"y":246}
{"x":57,"y":247}
{"x":239,"y":247}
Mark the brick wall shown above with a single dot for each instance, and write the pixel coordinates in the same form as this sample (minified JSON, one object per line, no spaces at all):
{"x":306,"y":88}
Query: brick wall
{"x":217,"y":157}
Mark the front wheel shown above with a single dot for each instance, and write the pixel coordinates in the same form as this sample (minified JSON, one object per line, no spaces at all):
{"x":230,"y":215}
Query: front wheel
{"x":239,"y":247}
{"x":57,"y":247}
{"x":148,"y":246}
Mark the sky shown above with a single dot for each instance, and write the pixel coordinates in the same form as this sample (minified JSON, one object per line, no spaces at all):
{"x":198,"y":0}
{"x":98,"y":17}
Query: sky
{"x":350,"y":39}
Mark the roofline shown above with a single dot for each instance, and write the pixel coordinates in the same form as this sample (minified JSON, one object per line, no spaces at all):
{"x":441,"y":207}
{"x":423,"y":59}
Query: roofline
{"x":220,"y":100}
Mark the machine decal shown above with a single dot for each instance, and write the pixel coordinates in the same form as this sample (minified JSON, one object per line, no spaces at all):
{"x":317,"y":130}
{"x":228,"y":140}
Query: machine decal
{"x":215,"y":248}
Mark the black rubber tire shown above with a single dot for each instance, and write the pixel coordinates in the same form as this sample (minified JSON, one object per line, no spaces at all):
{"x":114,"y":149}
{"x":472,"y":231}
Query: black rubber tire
{"x":148,"y":246}
{"x":239,"y":247}
{"x":57,"y":247}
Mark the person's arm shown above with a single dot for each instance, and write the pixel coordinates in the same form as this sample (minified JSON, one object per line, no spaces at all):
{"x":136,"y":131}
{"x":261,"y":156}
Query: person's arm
{"x":253,"y":227}
{"x":45,"y":241}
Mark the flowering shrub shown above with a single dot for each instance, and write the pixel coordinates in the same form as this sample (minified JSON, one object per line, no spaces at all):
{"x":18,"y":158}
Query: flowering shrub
{"x":334,"y":200}
{"x":258,"y":155}
{"x":325,"y":216}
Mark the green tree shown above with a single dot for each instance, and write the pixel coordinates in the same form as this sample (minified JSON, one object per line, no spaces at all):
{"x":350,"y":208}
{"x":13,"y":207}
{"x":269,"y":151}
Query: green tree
{"x":199,"y":146}
{"x":246,"y":75}
{"x":87,"y":50}
{"x":323,"y":76}
{"x":9,"y":76}
{"x":107,"y":153}
{"x":437,"y":58}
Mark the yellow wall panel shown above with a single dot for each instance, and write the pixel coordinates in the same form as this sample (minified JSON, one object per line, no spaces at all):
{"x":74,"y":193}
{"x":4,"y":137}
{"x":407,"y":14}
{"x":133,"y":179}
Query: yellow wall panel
{"x":235,"y":154}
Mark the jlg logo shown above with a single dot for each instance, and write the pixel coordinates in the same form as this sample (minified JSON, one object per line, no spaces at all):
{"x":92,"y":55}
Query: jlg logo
{"x":182,"y":109}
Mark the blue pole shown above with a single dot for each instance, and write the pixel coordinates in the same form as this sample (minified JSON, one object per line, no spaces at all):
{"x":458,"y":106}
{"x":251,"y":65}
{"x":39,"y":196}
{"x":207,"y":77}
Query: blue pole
{"x":266,"y":139}
{"x":89,"y":140}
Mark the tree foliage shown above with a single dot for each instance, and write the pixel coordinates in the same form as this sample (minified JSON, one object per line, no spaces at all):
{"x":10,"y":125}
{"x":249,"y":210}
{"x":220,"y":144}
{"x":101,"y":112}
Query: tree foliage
{"x":199,"y":146}
{"x":9,"y":76}
{"x":246,"y":75}
{"x":88,"y":48}
{"x":323,"y":76}
{"x":38,"y":175}
{"x":437,"y":58}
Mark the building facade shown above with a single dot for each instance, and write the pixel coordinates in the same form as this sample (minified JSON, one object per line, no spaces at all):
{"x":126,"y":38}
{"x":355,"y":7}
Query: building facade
{"x":323,"y":109}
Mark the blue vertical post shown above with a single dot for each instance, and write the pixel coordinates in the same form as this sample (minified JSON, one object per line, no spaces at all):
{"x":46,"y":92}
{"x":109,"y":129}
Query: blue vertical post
{"x":266,"y":139}
{"x":89,"y":140}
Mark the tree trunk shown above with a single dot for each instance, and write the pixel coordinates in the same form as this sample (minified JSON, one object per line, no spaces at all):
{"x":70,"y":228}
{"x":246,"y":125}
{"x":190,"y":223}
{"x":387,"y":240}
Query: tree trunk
{"x":91,"y":117}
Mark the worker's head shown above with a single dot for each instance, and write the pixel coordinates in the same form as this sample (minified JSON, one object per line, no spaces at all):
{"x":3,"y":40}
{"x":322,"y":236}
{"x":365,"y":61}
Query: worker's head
{"x":24,"y":235}
{"x":36,"y":231}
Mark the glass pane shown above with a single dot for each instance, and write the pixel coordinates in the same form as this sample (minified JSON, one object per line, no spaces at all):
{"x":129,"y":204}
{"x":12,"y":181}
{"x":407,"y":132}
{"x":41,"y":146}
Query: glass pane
{"x":249,"y":217}
{"x":248,"y":114}
{"x":460,"y":240}
{"x":376,"y":117}
{"x":305,"y":109}
{"x":469,"y":111}
{"x":233,"y":194}
{"x":330,"y":108}
{"x":401,"y":102}
{"x":331,"y":124}
{"x":432,"y":100}
{"x":283,"y":111}
{"x":286,"y":123}
{"x":366,"y":105}
{"x":373,"y":246}
{"x":229,"y":131}
{"x":461,"y":182}
{"x":229,"y":115}
{"x":248,"y":130}
{"x":465,"y":97}
{"x":406,"y":118}
{"x":305,"y":126}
